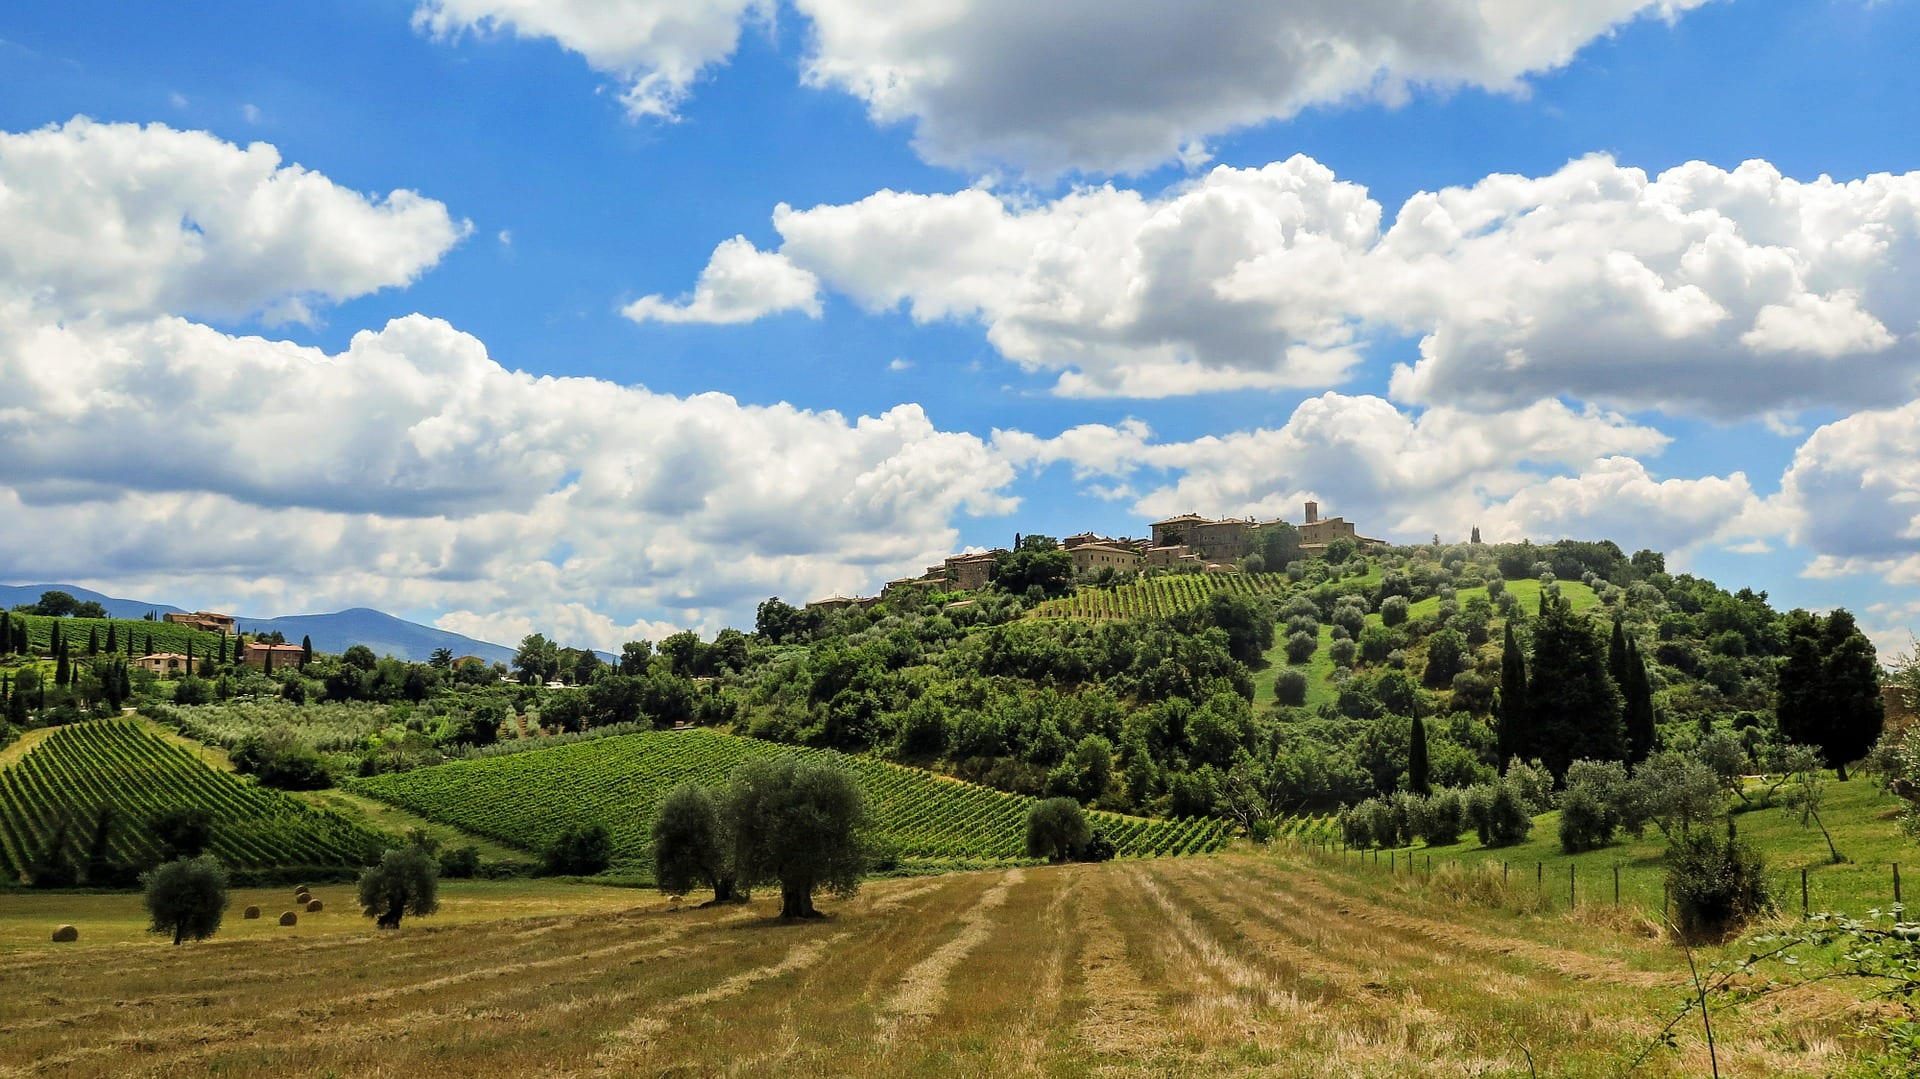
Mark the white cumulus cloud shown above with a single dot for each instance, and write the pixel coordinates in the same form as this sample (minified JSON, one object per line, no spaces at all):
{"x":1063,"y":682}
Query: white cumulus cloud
{"x":740,"y":284}
{"x":121,"y":219}
{"x":1852,"y":495}
{"x":1703,"y":291}
{"x":656,"y":48}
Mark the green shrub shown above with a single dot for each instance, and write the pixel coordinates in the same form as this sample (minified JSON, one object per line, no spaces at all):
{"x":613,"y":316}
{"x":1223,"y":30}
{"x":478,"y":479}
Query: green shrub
{"x":1290,"y":688}
{"x":1499,"y":815}
{"x":1716,"y":884}
{"x":1443,"y":817}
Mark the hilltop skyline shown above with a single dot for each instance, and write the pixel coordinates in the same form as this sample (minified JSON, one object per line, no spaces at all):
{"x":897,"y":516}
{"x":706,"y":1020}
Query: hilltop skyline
{"x":607,"y":320}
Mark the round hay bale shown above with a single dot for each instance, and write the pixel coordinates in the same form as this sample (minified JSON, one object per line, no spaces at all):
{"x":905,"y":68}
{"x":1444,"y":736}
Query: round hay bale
{"x":301,"y":895}
{"x":66,"y":934}
{"x":315,"y":907}
{"x":289,"y":918}
{"x":251,"y":912}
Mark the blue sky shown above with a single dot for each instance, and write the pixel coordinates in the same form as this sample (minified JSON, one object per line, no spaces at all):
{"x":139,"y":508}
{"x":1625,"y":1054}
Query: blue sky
{"x":1137,"y":262}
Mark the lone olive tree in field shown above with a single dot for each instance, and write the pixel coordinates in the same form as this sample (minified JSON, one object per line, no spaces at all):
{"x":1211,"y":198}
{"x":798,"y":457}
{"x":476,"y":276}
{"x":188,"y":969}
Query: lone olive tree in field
{"x":187,"y":898}
{"x":405,"y":882}
{"x":1056,"y":828}
{"x":690,"y":844}
{"x":797,"y":821}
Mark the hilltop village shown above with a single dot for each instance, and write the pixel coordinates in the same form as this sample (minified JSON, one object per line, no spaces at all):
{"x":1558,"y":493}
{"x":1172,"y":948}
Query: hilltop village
{"x":1188,"y":543}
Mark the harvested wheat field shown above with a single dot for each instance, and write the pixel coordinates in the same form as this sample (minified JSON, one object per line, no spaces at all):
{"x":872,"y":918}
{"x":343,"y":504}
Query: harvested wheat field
{"x":1236,"y":963}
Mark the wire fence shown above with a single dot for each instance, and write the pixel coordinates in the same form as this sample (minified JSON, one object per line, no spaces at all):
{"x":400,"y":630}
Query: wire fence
{"x":1849,"y":887}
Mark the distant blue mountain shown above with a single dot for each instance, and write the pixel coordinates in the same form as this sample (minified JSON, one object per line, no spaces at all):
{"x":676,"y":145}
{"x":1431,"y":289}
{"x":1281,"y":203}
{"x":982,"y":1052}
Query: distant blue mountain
{"x":336,"y":632}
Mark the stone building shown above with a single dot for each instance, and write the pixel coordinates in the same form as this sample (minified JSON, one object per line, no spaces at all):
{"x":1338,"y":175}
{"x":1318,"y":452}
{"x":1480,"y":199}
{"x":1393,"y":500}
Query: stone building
{"x":1318,"y":531}
{"x":1089,"y":558}
{"x":970,"y":572}
{"x":164,"y":664}
{"x":285,"y":656}
{"x":203,"y":620}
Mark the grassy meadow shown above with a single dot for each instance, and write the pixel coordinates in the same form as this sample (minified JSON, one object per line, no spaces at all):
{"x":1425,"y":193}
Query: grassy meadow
{"x":1860,"y":816}
{"x":1240,"y":963}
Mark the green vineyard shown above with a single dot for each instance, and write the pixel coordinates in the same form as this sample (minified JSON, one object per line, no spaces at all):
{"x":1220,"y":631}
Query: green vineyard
{"x":1158,"y":597}
{"x":165,"y":636}
{"x":79,"y":768}
{"x":528,"y":799}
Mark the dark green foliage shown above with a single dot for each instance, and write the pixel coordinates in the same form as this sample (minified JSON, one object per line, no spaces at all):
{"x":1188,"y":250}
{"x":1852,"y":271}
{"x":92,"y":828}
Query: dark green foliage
{"x":1246,"y":621}
{"x":1585,"y":823}
{"x":1829,"y":688}
{"x":1290,"y":688}
{"x":281,"y":758}
{"x":187,"y":898}
{"x":690,"y":844}
{"x":407,"y":881}
{"x":183,"y":832}
{"x":1446,"y":657}
{"x":580,"y":852}
{"x":103,"y":870}
{"x":1056,"y":829}
{"x":1716,"y":884}
{"x":1641,"y":729}
{"x":1085,"y":773}
{"x":53,"y":866}
{"x":460,"y":863}
{"x":1443,"y":817}
{"x":798,"y":822}
{"x":1300,"y":647}
{"x":1038,"y":567}
{"x":1574,"y":709}
{"x":1417,"y":758}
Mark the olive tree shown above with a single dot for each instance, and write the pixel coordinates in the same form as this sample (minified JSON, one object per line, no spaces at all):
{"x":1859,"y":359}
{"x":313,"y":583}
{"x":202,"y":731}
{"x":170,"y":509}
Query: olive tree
{"x":1056,"y":828}
{"x":405,"y":882}
{"x":690,"y":844}
{"x":187,"y":897}
{"x":797,"y":822}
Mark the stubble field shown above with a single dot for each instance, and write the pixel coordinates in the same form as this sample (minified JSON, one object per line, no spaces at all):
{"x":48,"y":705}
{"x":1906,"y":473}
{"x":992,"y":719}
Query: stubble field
{"x":1237,"y":963}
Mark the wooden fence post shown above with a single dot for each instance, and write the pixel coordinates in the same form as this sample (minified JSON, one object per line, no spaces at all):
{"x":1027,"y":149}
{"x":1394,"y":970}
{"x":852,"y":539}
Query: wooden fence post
{"x":1803,"y":892}
{"x":1896,"y":882}
{"x":1570,"y":900}
{"x":1540,"y":874}
{"x":1616,"y":885}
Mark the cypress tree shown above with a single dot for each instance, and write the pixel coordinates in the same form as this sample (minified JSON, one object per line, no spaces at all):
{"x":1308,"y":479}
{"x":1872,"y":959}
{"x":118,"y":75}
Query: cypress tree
{"x":268,"y":657}
{"x":1617,"y":656}
{"x":113,"y":638}
{"x":1573,"y":707}
{"x":1641,"y":730}
{"x":93,"y":640}
{"x":62,"y":667}
{"x":239,"y":650}
{"x":149,"y":650}
{"x":1417,"y":758}
{"x":55,"y":641}
{"x":6,"y":632}
{"x":1829,"y":688}
{"x":21,"y":643}
{"x":306,"y":652}
{"x":1511,"y":737}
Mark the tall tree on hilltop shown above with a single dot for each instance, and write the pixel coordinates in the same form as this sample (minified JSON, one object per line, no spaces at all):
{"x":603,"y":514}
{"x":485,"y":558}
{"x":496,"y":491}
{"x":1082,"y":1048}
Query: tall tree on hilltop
{"x":93,"y":640}
{"x":1573,"y":706}
{"x":1511,"y":738}
{"x":1417,"y":758}
{"x":1829,"y":688}
{"x":1476,"y":535}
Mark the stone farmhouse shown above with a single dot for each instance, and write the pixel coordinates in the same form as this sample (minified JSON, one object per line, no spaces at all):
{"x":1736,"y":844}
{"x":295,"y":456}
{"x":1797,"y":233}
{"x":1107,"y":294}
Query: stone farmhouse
{"x":285,"y":656}
{"x":1187,"y":541}
{"x":164,"y":664}
{"x":206,"y":620}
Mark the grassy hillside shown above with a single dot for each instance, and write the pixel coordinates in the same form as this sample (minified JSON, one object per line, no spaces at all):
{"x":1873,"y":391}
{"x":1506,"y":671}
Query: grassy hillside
{"x":73,"y":771}
{"x":1860,"y":816}
{"x":528,"y":799}
{"x":1233,"y":964}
